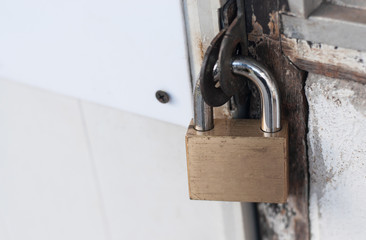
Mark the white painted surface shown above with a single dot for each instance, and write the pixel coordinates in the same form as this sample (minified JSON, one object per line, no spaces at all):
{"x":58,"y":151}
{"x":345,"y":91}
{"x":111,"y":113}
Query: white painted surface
{"x":201,"y":26}
{"x":142,"y":171}
{"x":47,"y":186}
{"x":70,"y":169}
{"x":116,"y":53}
{"x":337,"y":158}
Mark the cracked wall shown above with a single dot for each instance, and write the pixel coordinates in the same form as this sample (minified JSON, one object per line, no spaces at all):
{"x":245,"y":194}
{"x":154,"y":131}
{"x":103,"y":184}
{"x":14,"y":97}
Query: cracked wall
{"x":337,"y":157}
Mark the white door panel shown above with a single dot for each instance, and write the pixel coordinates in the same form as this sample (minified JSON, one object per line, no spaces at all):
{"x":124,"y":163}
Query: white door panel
{"x":116,"y":53}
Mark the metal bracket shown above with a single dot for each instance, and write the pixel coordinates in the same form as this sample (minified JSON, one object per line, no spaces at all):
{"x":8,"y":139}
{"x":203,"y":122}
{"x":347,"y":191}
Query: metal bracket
{"x":230,"y":42}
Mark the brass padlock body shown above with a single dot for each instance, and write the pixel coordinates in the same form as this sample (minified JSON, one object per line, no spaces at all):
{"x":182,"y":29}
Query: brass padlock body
{"x":236,"y":161}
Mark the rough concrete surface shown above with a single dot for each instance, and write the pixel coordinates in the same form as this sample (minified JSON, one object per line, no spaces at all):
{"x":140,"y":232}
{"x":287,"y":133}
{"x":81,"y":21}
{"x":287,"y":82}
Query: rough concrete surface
{"x":337,"y":157}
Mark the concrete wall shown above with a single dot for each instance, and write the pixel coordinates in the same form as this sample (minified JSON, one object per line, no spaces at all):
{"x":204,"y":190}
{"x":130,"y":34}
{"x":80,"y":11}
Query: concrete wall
{"x":337,"y":157}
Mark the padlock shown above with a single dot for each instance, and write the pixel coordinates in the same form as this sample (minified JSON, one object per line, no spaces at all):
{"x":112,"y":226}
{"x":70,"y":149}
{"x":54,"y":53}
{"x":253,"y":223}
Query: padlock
{"x":243,"y":160}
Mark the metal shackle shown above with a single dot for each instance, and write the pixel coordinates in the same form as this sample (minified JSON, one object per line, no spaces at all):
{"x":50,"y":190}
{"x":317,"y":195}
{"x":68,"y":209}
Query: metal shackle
{"x":203,"y":113}
{"x":268,"y":89}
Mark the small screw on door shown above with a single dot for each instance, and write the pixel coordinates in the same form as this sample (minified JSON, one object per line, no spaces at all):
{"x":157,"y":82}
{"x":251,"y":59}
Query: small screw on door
{"x":162,"y":96}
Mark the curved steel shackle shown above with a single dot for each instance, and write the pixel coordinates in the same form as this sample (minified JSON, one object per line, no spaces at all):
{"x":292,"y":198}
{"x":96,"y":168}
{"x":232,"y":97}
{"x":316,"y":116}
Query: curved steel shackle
{"x":203,"y":113}
{"x":268,"y":89}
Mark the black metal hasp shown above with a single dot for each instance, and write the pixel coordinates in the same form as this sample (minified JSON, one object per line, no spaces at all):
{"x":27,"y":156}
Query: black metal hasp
{"x":233,"y":44}
{"x":217,"y":81}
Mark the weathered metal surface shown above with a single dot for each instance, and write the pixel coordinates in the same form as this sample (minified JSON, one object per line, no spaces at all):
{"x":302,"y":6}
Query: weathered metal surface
{"x":290,"y":220}
{"x":233,"y":43}
{"x":212,"y":94}
{"x":331,"y":61}
{"x":228,"y":13}
{"x":210,"y":74}
{"x":202,"y":24}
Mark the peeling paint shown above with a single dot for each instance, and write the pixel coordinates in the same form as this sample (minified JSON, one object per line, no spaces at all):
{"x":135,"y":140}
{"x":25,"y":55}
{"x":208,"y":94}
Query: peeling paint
{"x":273,"y":25}
{"x":332,"y":61}
{"x":327,"y":54}
{"x":256,"y":35}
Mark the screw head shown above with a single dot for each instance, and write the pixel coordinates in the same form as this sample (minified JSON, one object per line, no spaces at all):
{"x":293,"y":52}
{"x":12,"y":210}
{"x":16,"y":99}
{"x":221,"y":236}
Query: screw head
{"x":162,"y":96}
